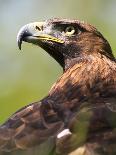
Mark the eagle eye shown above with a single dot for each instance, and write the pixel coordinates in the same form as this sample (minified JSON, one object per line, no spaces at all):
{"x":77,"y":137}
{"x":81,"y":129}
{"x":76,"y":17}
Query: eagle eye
{"x":70,"y":30}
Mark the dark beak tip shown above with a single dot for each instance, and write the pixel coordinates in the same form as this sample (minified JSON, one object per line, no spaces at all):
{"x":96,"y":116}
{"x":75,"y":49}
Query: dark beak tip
{"x":20,"y":36}
{"x":19,"y":44}
{"x":19,"y":41}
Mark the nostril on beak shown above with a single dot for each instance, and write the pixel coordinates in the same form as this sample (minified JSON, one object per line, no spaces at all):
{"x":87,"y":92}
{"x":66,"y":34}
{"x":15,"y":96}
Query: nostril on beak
{"x":38,"y":28}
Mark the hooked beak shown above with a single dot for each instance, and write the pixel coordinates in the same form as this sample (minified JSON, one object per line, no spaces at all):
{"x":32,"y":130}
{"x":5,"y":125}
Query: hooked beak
{"x":34,"y":33}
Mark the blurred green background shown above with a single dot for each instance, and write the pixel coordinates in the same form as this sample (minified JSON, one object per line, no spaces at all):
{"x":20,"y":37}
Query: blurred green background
{"x":26,"y":76}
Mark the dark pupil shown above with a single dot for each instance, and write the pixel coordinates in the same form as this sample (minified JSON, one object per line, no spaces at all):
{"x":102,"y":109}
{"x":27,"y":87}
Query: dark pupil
{"x":70,"y":29}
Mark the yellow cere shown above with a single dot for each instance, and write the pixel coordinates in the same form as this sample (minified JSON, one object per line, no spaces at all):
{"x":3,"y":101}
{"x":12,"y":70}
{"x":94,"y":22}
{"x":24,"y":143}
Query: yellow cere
{"x":48,"y":37}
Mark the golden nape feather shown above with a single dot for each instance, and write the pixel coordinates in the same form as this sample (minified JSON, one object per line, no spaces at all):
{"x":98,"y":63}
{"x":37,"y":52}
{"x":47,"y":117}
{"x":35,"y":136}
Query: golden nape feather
{"x":79,"y":112}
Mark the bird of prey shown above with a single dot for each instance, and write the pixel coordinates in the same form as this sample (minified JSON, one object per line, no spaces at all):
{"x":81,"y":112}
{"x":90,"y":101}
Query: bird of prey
{"x":80,"y":108}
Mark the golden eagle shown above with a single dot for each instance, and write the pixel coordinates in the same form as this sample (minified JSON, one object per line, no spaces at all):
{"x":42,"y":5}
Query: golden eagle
{"x":80,"y":108}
